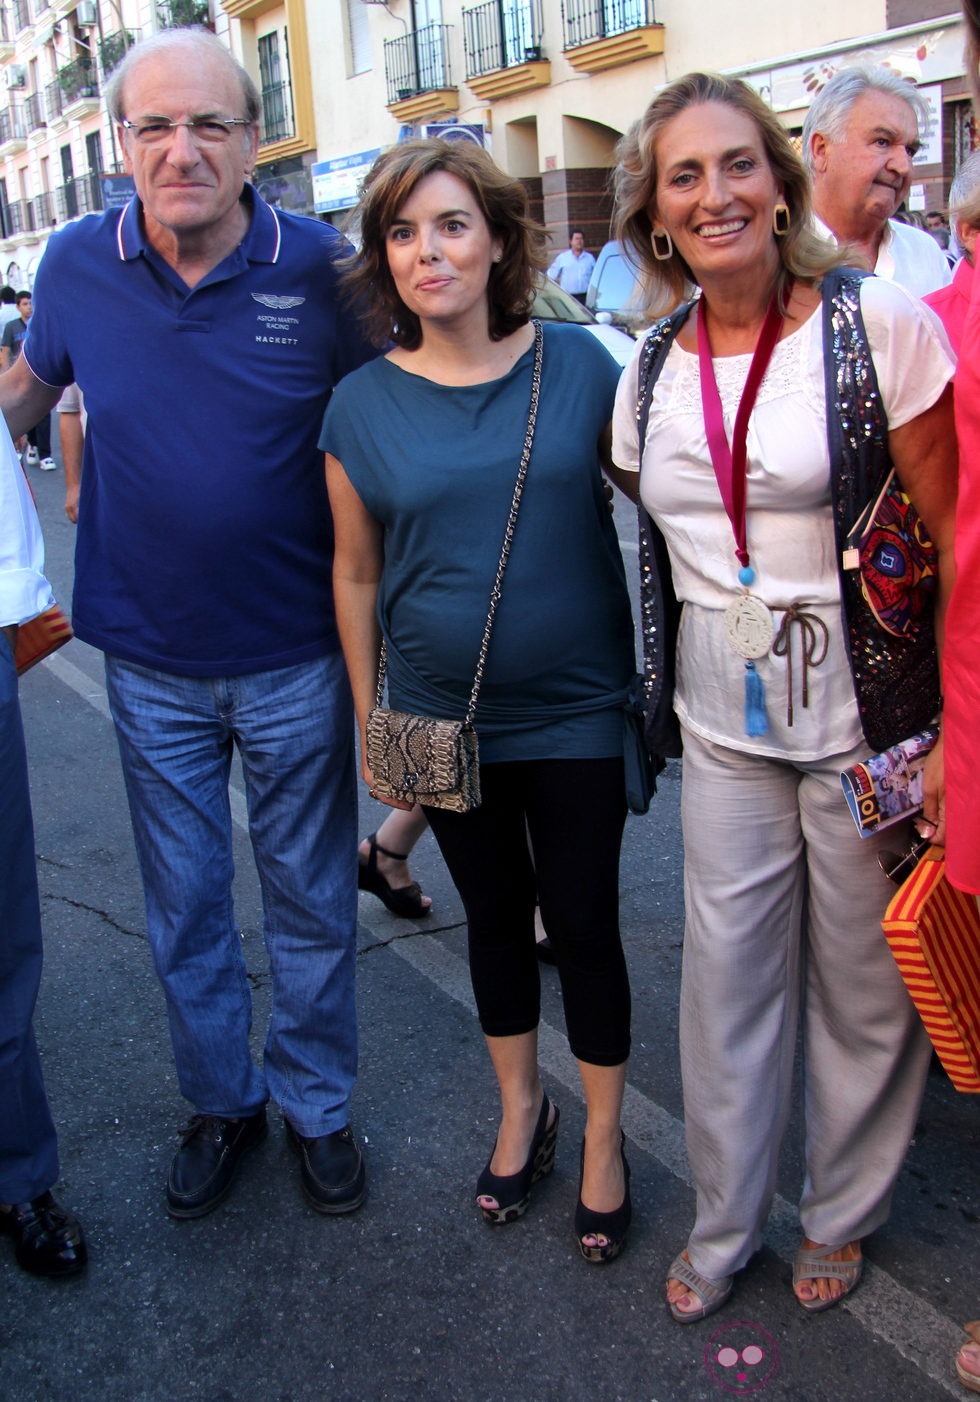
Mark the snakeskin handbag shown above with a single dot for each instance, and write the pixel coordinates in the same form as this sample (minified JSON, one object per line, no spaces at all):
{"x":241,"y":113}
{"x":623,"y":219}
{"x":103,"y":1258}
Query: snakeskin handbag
{"x":420,"y":759}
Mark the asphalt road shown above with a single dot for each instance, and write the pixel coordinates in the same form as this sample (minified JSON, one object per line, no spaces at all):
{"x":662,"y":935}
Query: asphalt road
{"x":412,"y":1299}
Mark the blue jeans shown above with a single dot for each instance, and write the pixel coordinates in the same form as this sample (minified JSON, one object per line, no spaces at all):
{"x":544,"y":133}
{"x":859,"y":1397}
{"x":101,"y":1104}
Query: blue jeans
{"x":294,"y":731}
{"x":28,"y":1144}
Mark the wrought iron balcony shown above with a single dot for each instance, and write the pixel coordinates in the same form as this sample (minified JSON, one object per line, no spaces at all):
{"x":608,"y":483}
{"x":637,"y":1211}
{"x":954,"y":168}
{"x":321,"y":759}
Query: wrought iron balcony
{"x":54,"y":100}
{"x":277,"y":114}
{"x":585,"y":20}
{"x":34,"y":112}
{"x":42,"y":215}
{"x":502,"y":34}
{"x":83,"y":195}
{"x":418,"y":62}
{"x":12,"y":124}
{"x":16,"y":218}
{"x":66,"y":202}
{"x":113,"y":48}
{"x":78,"y":79}
{"x":88,"y":192}
{"x":174,"y":14}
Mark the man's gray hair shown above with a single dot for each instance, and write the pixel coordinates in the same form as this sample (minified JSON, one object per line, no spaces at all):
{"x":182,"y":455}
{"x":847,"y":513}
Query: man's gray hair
{"x":965,"y":188}
{"x":832,"y":105}
{"x":195,"y":38}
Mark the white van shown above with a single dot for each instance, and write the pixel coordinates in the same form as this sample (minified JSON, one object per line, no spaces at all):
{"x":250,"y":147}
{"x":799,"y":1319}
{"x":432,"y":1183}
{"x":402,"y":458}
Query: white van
{"x":614,"y":292}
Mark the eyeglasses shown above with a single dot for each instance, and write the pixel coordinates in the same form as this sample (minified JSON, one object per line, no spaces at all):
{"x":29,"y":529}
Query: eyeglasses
{"x":205,"y":131}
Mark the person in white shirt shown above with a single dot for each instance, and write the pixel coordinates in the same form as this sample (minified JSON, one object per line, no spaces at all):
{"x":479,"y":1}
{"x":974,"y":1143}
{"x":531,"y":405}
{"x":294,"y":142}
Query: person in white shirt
{"x":8,"y":305}
{"x":860,"y":137}
{"x":48,"y":1240}
{"x":572,"y":269}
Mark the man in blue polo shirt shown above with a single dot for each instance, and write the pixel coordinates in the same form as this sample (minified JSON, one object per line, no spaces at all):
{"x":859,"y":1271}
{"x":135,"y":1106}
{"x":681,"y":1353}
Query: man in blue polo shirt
{"x":206,"y":333}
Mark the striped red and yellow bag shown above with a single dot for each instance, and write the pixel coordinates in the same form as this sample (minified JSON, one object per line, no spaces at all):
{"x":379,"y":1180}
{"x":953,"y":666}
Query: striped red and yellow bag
{"x":934,"y":933}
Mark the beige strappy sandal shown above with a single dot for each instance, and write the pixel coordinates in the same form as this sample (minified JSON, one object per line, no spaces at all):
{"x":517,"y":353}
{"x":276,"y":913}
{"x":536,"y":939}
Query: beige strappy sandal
{"x":712,"y":1293}
{"x":970,"y":1380}
{"x":812,"y":1263}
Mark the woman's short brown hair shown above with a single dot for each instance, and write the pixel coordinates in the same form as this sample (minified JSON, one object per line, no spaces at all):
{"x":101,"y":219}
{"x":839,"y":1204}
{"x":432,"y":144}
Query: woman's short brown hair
{"x":503,"y":200}
{"x":802,"y":252}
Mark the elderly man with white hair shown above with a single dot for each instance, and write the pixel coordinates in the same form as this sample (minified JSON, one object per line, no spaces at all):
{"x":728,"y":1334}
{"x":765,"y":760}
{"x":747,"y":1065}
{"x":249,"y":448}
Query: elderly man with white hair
{"x":860,"y":137}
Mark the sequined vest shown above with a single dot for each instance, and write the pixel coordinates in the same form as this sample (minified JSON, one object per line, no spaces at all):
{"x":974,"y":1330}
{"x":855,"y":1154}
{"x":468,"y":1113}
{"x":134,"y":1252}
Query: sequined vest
{"x":896,"y":680}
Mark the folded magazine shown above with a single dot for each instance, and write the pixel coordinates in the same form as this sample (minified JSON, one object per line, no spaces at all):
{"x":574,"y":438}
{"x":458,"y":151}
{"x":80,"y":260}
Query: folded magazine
{"x":886,"y":788}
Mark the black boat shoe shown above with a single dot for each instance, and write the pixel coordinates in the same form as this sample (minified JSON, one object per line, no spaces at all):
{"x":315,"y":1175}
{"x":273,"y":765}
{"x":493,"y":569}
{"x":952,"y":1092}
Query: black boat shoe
{"x":48,"y":1238}
{"x":204,"y":1167}
{"x":332,"y":1170}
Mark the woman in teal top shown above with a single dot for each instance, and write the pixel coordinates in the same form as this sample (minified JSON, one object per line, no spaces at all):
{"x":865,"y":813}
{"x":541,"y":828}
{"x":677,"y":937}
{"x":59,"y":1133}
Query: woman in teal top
{"x":423,"y":447}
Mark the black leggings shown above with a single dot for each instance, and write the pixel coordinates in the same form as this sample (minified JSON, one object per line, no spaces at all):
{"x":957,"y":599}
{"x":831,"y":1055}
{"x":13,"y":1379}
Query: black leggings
{"x":39,"y":436}
{"x":573,"y":811}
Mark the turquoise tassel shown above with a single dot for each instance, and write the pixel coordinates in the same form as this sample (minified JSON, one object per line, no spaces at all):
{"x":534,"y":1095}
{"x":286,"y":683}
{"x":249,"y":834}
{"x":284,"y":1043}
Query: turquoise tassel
{"x":756,"y":720}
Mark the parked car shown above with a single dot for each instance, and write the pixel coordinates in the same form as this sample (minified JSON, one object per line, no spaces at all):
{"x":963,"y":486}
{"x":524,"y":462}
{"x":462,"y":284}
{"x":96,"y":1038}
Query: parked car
{"x":614,"y":291}
{"x":553,"y":303}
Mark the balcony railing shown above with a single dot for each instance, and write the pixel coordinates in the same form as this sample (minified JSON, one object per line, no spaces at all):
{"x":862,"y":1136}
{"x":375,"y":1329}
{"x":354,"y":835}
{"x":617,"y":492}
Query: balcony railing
{"x":42,"y":214}
{"x":277,"y":113}
{"x":77,"y":79}
{"x":34,"y":112}
{"x":12,"y":124}
{"x":503,"y":34}
{"x":87,"y":192}
{"x":17,"y":218}
{"x":54,"y":100}
{"x":83,"y":195}
{"x":22,"y":14}
{"x":174,"y":14}
{"x":113,"y":48}
{"x":418,"y":62}
{"x":585,"y":20}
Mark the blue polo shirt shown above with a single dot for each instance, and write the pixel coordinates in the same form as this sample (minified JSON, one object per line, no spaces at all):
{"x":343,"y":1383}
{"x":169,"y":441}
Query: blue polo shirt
{"x":204,"y":541}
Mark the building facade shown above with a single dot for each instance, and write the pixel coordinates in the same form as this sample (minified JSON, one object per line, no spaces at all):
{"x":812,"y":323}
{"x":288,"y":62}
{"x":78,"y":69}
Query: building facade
{"x":548,"y":85}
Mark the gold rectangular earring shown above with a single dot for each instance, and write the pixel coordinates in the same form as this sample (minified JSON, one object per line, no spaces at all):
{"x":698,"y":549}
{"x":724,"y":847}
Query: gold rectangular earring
{"x":665,"y":251}
{"x":780,"y":219}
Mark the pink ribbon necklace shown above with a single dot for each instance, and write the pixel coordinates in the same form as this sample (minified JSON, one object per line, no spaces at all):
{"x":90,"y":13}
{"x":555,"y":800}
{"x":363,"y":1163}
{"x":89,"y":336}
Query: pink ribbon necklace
{"x":748,"y":621}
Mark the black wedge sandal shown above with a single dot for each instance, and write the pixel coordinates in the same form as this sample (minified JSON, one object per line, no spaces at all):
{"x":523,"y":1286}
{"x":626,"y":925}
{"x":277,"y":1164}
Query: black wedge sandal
{"x":405,"y":901}
{"x":612,"y":1225}
{"x":513,"y":1191}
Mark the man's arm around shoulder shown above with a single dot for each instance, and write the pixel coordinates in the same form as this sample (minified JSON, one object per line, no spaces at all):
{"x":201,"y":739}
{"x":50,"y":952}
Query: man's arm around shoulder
{"x":24,"y":399}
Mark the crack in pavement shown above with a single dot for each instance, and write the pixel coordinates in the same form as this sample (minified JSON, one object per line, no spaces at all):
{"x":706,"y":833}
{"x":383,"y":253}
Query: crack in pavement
{"x":94,"y":910}
{"x":412,"y":934}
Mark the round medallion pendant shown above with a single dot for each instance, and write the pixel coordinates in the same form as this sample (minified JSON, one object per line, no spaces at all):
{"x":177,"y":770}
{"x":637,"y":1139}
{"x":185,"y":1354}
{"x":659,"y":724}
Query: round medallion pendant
{"x":749,"y":625}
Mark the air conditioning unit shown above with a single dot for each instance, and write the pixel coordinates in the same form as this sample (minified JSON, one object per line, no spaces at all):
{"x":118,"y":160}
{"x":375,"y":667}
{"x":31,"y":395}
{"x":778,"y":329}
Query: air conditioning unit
{"x":14,"y":76}
{"x":86,"y":14}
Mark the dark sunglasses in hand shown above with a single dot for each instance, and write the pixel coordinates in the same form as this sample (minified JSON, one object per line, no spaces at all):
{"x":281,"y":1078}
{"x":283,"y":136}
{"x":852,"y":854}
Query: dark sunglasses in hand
{"x":898,"y":866}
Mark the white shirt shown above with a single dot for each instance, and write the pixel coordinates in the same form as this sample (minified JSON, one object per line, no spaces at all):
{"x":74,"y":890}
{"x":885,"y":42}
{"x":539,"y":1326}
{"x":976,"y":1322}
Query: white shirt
{"x":24,"y":591}
{"x":790,"y":528}
{"x":571,"y":272}
{"x":908,"y":256}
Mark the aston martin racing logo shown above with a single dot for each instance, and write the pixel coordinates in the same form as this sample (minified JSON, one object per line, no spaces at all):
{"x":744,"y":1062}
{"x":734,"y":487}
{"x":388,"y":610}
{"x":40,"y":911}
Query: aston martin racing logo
{"x":278,"y":304}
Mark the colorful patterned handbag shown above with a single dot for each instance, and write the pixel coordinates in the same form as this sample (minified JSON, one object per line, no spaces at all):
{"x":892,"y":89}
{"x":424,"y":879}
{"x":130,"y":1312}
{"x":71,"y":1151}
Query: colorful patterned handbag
{"x":897,"y":560}
{"x":934,"y":933}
